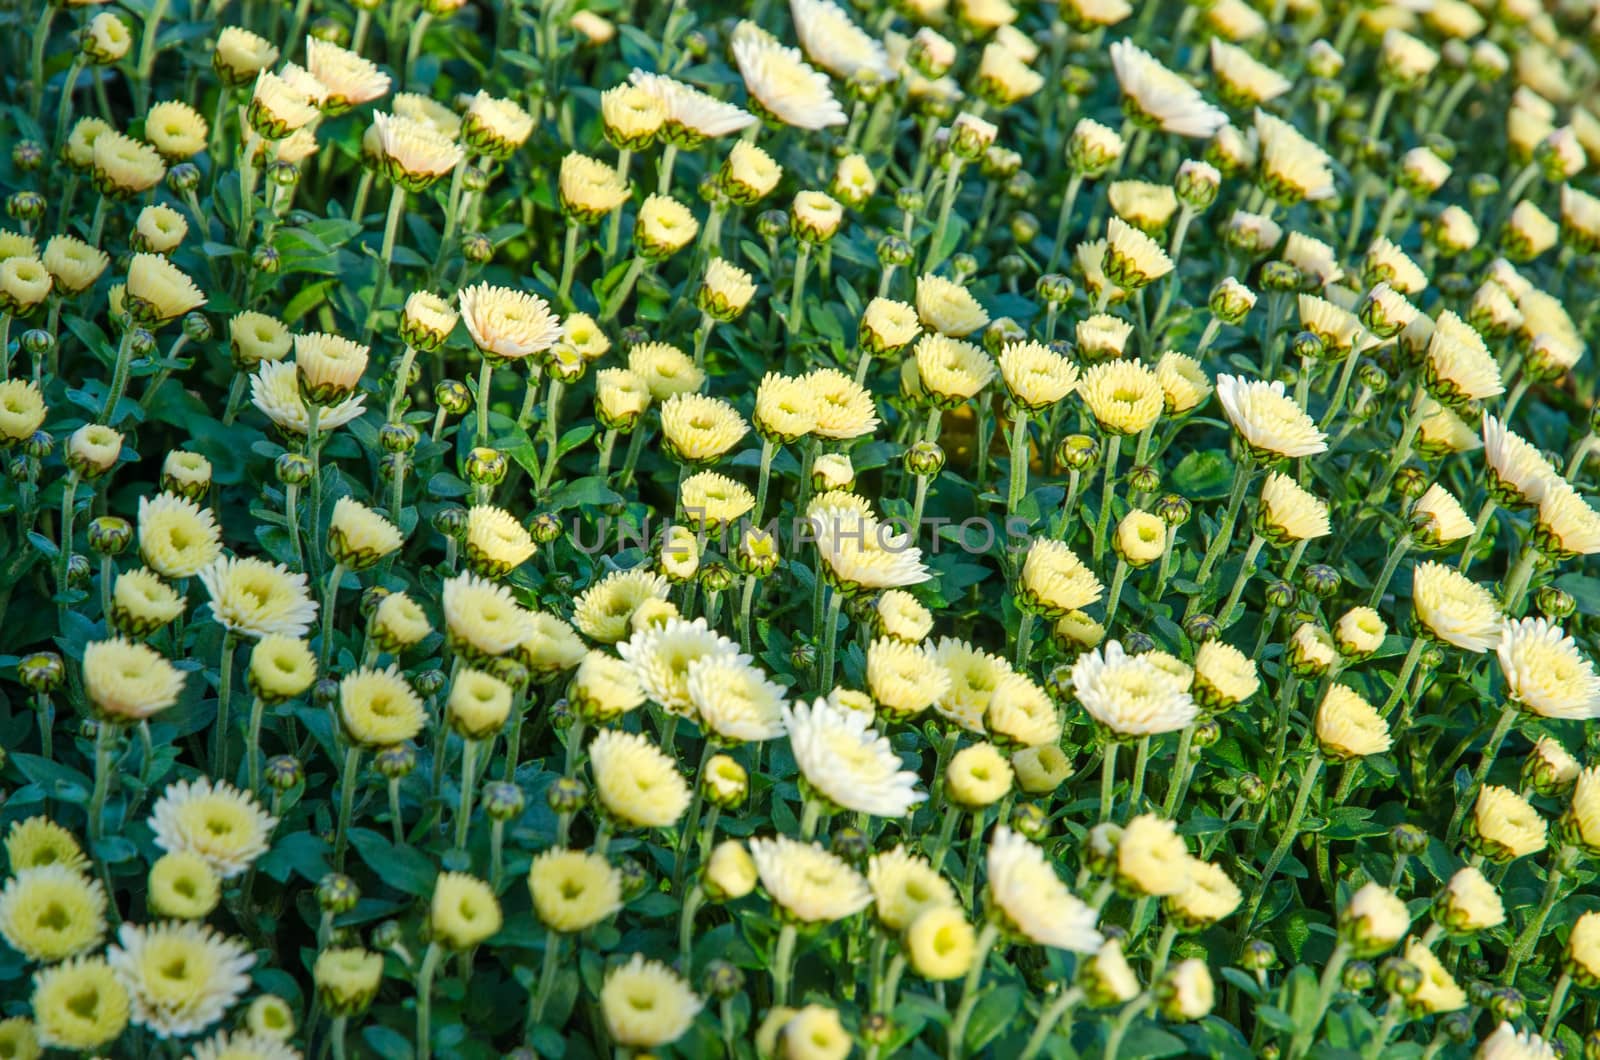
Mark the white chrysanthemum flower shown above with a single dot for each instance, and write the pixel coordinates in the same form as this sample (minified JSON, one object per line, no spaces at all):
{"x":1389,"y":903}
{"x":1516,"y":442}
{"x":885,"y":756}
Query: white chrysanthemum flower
{"x":1518,"y":470}
{"x":275,"y":390}
{"x":1454,"y":608}
{"x":859,"y":552}
{"x":1160,"y":98}
{"x":834,"y":42}
{"x":181,"y":976}
{"x":604,"y":611}
{"x":734,"y":699}
{"x":1568,"y":525}
{"x":508,"y":323}
{"x":1317,"y":261}
{"x":1268,"y":419}
{"x":417,"y":152}
{"x":662,"y":655}
{"x":810,"y":884}
{"x":1242,"y":78}
{"x":1289,"y":512}
{"x":1458,"y":366}
{"x":1292,"y":167}
{"x":1129,"y":694}
{"x":256,"y":597}
{"x":350,"y":79}
{"x":848,"y":762}
{"x":782,"y":83}
{"x":1545,"y":671}
{"x":1035,"y":903}
{"x":219,"y":822}
{"x":691,"y":113}
{"x":1507,"y":1044}
{"x":974,"y":677}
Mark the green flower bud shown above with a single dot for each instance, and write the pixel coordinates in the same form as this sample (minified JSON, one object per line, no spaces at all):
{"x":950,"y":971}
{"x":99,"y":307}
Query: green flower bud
{"x":502,"y":801}
{"x":396,"y":761}
{"x":41,"y":672}
{"x":567,"y":795}
{"x":337,"y":893}
{"x":723,"y":979}
{"x":284,"y":772}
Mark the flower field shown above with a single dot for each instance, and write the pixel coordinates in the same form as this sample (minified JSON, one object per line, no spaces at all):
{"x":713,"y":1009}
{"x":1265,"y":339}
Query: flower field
{"x":960,"y":528}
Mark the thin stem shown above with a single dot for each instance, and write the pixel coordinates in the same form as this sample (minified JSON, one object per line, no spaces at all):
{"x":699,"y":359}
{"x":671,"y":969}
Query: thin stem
{"x":783,"y":964}
{"x":219,"y":755}
{"x":469,"y":773}
{"x":1402,"y":545}
{"x":952,"y":185}
{"x":330,"y":603}
{"x":547,"y":978}
{"x":1049,"y":1016}
{"x":829,"y":634}
{"x":119,"y":378}
{"x":430,"y":965}
{"x":1064,"y":221}
{"x":1326,"y":986}
{"x":1522,"y":949}
{"x":347,"y":801}
{"x":1103,"y":519}
{"x":969,"y":990}
{"x":1508,"y":717}
{"x":1241,"y":579}
{"x":1141,"y":762}
{"x":105,"y":740}
{"x":1241,"y":481}
{"x":1108,"y":780}
{"x":1308,"y":780}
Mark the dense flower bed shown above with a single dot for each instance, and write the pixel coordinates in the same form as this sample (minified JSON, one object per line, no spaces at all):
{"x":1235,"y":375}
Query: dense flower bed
{"x":962,"y":528}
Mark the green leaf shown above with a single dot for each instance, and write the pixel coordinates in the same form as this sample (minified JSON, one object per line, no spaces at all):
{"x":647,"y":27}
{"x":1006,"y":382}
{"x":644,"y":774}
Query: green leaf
{"x":402,"y":867}
{"x":57,"y":780}
{"x":299,"y":853}
{"x":992,"y":1014}
{"x":591,"y":492}
{"x":1204,"y":474}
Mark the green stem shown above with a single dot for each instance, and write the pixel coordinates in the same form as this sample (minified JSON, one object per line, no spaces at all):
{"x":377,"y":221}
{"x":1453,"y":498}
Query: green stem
{"x":219,"y":755}
{"x":1508,"y":717}
{"x":1108,"y":780}
{"x":347,"y":801}
{"x":1402,"y":545}
{"x":969,"y":991}
{"x":1103,"y":519}
{"x":1064,"y":221}
{"x":105,"y":739}
{"x":119,"y":377}
{"x":1522,"y":949}
{"x":829,"y":635}
{"x":330,"y":603}
{"x":1018,"y":483}
{"x":1141,"y":762}
{"x":569,"y":264}
{"x":791,"y":319}
{"x":1558,"y":1003}
{"x":783,"y":964}
{"x":485,"y":389}
{"x":624,"y":288}
{"x":1050,"y":1015}
{"x":1308,"y":780}
{"x":430,"y":965}
{"x":1325,"y":989}
{"x":469,"y":771}
{"x":1241,"y":482}
{"x":952,"y":185}
{"x":1241,"y":579}
{"x":391,"y":231}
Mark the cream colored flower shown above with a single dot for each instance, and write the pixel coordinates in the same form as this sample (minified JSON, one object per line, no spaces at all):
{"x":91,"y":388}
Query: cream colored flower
{"x":848,"y":763}
{"x":275,"y":390}
{"x":807,"y":882}
{"x":416,"y":152}
{"x":1035,"y":904}
{"x":646,"y":1004}
{"x":1268,"y":419}
{"x":1290,"y":513}
{"x":692,"y":116}
{"x":1159,"y":98}
{"x":635,"y":781}
{"x":256,"y":597}
{"x":1151,"y":859}
{"x":1350,"y":727}
{"x":225,"y":826}
{"x":1129,"y":694}
{"x":974,"y":675}
{"x":1545,"y":671}
{"x":507,"y":323}
{"x":1567,"y":526}
{"x":948,"y":307}
{"x":1241,"y":79}
{"x":950,"y":370}
{"x":1439,"y":518}
{"x":1293,"y":169}
{"x":1454,"y":608}
{"x":1505,"y":825}
{"x":1124,"y":397}
{"x":350,"y":79}
{"x":1133,"y":260}
{"x":834,"y":42}
{"x":662,"y":656}
{"x":1223,"y":676}
{"x":181,"y":976}
{"x":781,"y":83}
{"x":1148,"y":207}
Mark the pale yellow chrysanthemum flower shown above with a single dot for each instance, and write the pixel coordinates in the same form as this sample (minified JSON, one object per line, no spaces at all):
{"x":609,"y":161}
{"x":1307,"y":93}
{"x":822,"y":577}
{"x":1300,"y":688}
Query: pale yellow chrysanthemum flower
{"x":483,"y":617}
{"x":127,"y":681}
{"x":35,"y":842}
{"x":1129,"y":694}
{"x":1454,"y":608}
{"x":604,"y":687}
{"x":661,"y":656}
{"x":1349,"y":727}
{"x":781,"y":83}
{"x":974,"y":677}
{"x":905,"y":885}
{"x":843,"y":408}
{"x":275,"y":390}
{"x":1133,"y":259}
{"x":1289,"y":512}
{"x":79,"y":1005}
{"x":1158,"y":98}
{"x":903,"y":678}
{"x":1124,"y":397}
{"x":1021,"y":714}
{"x":1025,"y":891}
{"x":416,"y":152}
{"x":1223,"y":676}
{"x":1470,"y":903}
{"x":1146,"y":206}
{"x":1268,"y":419}
{"x":1055,"y":581}
{"x":52,"y":912}
{"x":1293,"y":168}
{"x":833,"y":41}
{"x":177,"y":538}
{"x":948,"y":307}
{"x":1035,"y":375}
{"x":698,"y":429}
{"x":1505,"y":826}
{"x":1242,"y":80}
{"x":573,"y":890}
{"x":646,"y":1004}
{"x":379,"y":708}
{"x":951,"y":371}
{"x":859,"y":552}
{"x":255,"y":597}
{"x":1151,"y":859}
{"x":1545,"y":671}
{"x":1567,"y":525}
{"x":590,"y":189}
{"x":692,"y":115}
{"x":734,"y":700}
{"x":464,"y":911}
{"x":636,"y":783}
{"x":350,"y":79}
{"x":848,"y":763}
{"x":507,"y":323}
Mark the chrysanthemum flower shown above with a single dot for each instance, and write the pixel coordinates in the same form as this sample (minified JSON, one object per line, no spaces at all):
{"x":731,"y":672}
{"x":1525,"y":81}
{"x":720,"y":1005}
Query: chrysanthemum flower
{"x":1268,"y":419}
{"x":1035,"y":375}
{"x":80,"y":1005}
{"x":177,"y":538}
{"x":647,"y":1005}
{"x":36,"y":842}
{"x":859,"y":552}
{"x":183,"y":886}
{"x":1124,"y":397}
{"x":903,"y":678}
{"x":905,"y":885}
{"x":243,"y":1045}
{"x":1055,"y":581}
{"x":1242,"y":80}
{"x":496,"y":543}
{"x":734,"y":700}
{"x":350,"y":79}
{"x":255,"y":597}
{"x":1129,"y":694}
{"x":181,"y":977}
{"x":807,"y":882}
{"x":1504,"y":826}
{"x":661,"y":658}
{"x":415,"y":153}
{"x":590,"y":189}
{"x":573,"y":890}
{"x":974,"y":677}
{"x":1156,"y":97}
{"x":1033,"y":901}
{"x":52,"y":912}
{"x":219,"y":822}
{"x":482,"y":617}
{"x":833,"y":41}
{"x":1454,"y":608}
{"x":379,"y":708}
{"x":1567,"y":525}
{"x":127,"y":681}
{"x":950,"y":370}
{"x":698,"y":429}
{"x":464,"y":911}
{"x":692,"y":116}
{"x":635,"y":781}
{"x":507,"y":323}
{"x":142,"y":603}
{"x":551,"y":645}
{"x":1021,"y":714}
{"x":781,"y":83}
{"x":275,"y":390}
{"x":1545,"y":671}
{"x":848,"y":762}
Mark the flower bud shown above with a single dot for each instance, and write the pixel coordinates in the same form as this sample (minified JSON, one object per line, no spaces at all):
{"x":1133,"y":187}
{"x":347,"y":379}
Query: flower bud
{"x":93,"y":449}
{"x":722,"y":979}
{"x":1197,"y":185}
{"x":924,"y":459}
{"x":502,"y":801}
{"x":284,"y":772}
{"x":337,"y":893}
{"x":1231,"y":301}
{"x":110,"y":535}
{"x":41,"y":672}
{"x":566,"y":795}
{"x":725,"y":782}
